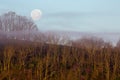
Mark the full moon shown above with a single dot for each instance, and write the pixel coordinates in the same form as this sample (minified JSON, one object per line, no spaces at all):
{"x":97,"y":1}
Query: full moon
{"x":36,"y":14}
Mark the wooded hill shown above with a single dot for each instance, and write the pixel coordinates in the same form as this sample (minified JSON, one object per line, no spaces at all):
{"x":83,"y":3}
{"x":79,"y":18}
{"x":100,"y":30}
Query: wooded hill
{"x":25,"y":60}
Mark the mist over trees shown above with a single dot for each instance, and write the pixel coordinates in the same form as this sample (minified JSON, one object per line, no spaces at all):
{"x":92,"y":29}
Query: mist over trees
{"x":31,"y":55}
{"x":25,"y":60}
{"x":13,"y":22}
{"x":14,"y":26}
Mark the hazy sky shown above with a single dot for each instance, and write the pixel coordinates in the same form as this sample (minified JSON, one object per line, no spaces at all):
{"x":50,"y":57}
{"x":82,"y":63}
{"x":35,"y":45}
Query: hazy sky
{"x":71,"y":15}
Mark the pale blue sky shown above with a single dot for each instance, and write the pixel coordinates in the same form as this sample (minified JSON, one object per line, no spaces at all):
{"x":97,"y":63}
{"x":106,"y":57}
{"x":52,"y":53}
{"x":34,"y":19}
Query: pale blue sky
{"x":71,"y":15}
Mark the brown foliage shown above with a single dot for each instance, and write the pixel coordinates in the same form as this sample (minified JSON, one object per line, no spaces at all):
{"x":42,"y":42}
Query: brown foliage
{"x":36,"y":61}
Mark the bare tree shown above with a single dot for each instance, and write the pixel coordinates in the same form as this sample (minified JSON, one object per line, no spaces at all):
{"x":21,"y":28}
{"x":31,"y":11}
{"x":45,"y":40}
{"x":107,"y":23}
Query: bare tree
{"x":54,"y":38}
{"x":118,"y":44}
{"x":89,"y":42}
{"x":13,"y":25}
{"x":12,"y":22}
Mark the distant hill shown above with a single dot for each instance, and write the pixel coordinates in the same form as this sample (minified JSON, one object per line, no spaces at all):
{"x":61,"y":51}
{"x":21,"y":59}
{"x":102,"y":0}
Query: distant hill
{"x":106,"y":36}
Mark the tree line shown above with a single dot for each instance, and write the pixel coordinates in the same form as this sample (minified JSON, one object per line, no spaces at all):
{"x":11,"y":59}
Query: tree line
{"x":56,"y":57}
{"x":26,"y":60}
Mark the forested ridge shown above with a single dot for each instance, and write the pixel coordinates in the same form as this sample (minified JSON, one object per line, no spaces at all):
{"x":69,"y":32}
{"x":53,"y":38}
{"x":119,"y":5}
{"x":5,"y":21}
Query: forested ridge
{"x":40,"y":61}
{"x":28,"y":54}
